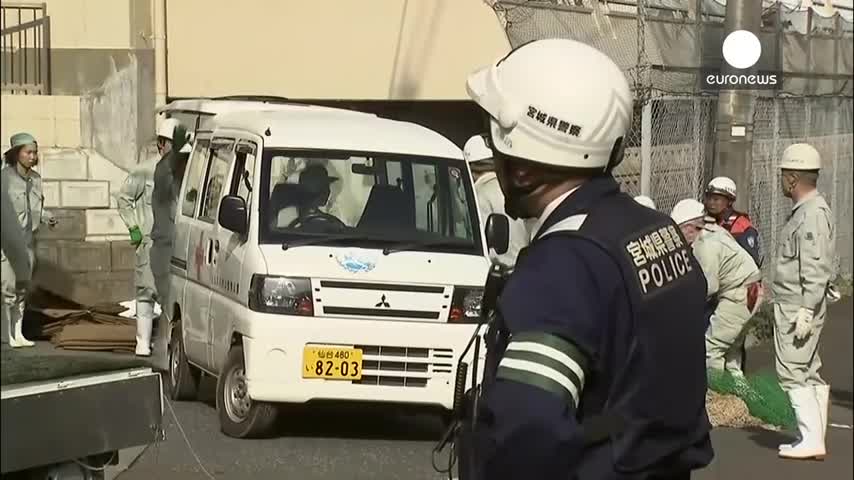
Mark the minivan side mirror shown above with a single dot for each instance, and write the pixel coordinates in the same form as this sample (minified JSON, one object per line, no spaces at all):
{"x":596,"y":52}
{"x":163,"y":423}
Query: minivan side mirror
{"x":498,"y":233}
{"x":232,"y":214}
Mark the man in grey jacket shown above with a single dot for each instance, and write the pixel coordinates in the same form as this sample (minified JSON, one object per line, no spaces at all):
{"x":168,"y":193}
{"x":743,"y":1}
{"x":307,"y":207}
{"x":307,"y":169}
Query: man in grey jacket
{"x":802,"y":274}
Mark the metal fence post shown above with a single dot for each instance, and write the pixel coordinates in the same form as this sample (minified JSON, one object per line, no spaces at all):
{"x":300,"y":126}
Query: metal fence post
{"x":775,"y":156}
{"x":646,"y":149}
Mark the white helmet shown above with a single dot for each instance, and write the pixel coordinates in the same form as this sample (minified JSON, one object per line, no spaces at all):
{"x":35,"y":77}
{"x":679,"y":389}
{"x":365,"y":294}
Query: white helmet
{"x":800,"y":156}
{"x":167,"y":128}
{"x":645,"y":201}
{"x":476,"y":149}
{"x":687,"y":210}
{"x":722,"y":186}
{"x":557,"y":102}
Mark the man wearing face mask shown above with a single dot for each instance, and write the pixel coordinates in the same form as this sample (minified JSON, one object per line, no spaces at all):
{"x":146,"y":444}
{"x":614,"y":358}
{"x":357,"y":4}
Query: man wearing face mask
{"x":595,"y":360}
{"x":803,"y":270}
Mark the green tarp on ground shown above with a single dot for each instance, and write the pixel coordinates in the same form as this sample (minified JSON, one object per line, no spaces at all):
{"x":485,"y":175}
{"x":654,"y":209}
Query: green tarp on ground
{"x":760,"y":392}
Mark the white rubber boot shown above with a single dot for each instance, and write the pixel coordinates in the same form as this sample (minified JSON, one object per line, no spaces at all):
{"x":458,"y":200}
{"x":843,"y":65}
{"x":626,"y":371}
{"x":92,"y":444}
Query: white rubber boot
{"x":822,"y":394}
{"x":17,"y":320}
{"x":144,"y":323}
{"x":809,"y":417}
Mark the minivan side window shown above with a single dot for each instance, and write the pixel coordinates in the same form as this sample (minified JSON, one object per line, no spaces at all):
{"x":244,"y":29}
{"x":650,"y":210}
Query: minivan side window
{"x":222,"y":154}
{"x":195,"y":171}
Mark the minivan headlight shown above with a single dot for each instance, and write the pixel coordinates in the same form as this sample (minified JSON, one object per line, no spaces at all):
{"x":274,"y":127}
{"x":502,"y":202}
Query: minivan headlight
{"x":285,"y":295}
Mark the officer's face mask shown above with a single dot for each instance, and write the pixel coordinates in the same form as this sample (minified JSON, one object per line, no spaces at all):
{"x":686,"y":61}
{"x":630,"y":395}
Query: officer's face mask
{"x":518,"y":200}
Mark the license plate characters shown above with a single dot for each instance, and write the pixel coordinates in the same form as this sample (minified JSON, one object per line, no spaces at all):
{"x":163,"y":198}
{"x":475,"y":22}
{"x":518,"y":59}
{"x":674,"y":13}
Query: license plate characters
{"x":332,"y":363}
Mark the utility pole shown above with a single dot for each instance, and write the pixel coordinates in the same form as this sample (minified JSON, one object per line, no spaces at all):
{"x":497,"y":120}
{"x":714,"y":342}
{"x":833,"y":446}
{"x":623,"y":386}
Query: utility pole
{"x":734,"y":127}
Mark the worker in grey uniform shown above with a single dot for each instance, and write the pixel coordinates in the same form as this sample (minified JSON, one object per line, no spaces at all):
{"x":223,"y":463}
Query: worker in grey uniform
{"x":168,"y":175}
{"x":802,"y":275}
{"x":23,"y":185}
{"x":490,"y":198}
{"x":15,"y":260}
{"x":135,"y":208}
{"x":729,"y":269}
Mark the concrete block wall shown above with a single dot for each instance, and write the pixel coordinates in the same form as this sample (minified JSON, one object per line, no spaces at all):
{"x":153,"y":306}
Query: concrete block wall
{"x":87,"y":257}
{"x":78,"y":261}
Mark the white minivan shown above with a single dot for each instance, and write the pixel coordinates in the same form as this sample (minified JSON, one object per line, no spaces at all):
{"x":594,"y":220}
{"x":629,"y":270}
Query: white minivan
{"x":322,"y":254}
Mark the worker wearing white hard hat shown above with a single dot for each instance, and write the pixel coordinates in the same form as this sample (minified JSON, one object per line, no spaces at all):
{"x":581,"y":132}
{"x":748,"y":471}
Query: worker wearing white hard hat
{"x":802,"y":273}
{"x":645,"y":201}
{"x":135,"y":208}
{"x":490,"y":199}
{"x":719,"y":199}
{"x":729,"y":270}
{"x":720,"y":195}
{"x":602,"y":292}
{"x":167,"y":177}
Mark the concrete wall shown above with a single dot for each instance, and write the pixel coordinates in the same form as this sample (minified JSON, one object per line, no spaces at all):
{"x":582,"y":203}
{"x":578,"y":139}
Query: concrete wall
{"x":316,"y":49}
{"x":53,"y":120}
{"x":102,"y":56}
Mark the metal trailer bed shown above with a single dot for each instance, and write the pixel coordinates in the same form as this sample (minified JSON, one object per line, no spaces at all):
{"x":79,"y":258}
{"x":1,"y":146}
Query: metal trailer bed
{"x":60,"y":406}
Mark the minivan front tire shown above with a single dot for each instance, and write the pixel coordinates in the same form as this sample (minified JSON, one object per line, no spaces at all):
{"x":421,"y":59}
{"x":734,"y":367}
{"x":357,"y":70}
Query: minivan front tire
{"x":183,"y":378}
{"x":239,"y":415}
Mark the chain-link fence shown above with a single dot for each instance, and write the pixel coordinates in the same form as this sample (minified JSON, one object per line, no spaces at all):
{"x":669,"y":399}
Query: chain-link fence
{"x":661,"y":45}
{"x":673,"y":155}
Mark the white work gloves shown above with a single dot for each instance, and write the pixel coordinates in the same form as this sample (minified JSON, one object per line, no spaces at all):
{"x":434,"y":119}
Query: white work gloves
{"x":803,"y":323}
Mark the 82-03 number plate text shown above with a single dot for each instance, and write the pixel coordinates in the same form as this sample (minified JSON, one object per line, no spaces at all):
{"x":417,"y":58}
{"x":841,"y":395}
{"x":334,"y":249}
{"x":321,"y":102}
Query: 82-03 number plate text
{"x":332,"y":363}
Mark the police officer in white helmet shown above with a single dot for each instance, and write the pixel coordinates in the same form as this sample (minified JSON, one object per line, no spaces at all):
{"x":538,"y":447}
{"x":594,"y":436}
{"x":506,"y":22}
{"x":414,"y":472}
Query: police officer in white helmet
{"x":490,"y":199}
{"x":729,"y":270}
{"x":803,"y":271}
{"x":594,"y":364}
{"x":135,"y":208}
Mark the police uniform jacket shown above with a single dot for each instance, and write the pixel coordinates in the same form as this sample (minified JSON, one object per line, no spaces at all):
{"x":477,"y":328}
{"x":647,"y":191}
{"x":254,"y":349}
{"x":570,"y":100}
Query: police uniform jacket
{"x":596,"y":360}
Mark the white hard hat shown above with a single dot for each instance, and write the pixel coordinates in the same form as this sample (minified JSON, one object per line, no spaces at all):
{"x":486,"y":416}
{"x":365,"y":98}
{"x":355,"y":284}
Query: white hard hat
{"x":687,"y":210}
{"x":167,"y":128}
{"x":722,"y":186}
{"x":476,"y":150}
{"x":555,"y":101}
{"x":645,"y":201}
{"x":800,"y":156}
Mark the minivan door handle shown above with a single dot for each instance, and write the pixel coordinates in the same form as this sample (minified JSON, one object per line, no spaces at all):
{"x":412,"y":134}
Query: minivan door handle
{"x":210,"y":251}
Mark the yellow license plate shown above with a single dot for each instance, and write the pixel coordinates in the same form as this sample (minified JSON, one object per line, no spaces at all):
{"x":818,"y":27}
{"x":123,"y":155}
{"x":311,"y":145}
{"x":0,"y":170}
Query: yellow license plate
{"x":332,"y":363}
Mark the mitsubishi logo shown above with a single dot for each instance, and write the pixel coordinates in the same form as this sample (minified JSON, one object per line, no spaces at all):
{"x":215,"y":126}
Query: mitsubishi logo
{"x":383,"y":303}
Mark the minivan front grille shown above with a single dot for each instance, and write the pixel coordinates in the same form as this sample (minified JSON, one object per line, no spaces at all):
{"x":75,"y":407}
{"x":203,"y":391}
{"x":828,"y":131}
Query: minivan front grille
{"x":403,"y":366}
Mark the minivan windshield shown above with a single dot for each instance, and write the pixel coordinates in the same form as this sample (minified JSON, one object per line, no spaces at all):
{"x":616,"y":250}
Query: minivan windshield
{"x":373,"y":200}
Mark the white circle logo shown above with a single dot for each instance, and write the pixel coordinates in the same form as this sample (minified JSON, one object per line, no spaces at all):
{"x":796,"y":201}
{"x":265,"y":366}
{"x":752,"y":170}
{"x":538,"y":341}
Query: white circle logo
{"x":742,"y":49}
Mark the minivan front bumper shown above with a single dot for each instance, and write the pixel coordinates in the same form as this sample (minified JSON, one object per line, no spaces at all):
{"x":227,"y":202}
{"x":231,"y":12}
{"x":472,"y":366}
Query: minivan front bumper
{"x":403,"y":362}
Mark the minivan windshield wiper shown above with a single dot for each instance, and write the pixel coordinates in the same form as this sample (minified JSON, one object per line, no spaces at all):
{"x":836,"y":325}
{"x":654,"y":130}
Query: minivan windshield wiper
{"x":443,"y":242}
{"x":319,"y":239}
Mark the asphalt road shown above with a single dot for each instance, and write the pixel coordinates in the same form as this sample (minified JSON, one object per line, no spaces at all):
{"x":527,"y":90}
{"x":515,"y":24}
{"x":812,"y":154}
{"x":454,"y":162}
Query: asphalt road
{"x":362,"y":443}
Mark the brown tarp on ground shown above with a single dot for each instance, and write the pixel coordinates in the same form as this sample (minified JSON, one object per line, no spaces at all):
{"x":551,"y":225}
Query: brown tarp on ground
{"x":118,"y":338}
{"x":96,"y":329}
